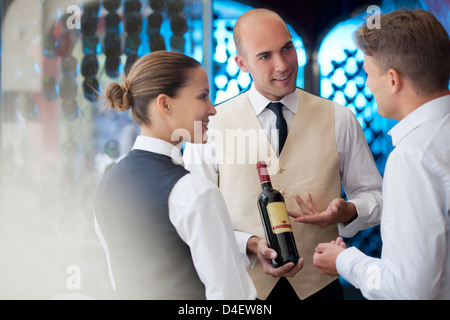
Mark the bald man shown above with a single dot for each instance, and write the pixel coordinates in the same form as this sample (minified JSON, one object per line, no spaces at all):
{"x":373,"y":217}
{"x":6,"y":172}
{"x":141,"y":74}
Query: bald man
{"x":325,"y":148}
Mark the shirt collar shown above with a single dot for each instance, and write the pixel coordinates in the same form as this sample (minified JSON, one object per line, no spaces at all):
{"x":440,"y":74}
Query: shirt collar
{"x":259,"y":102}
{"x":434,"y":108}
{"x":155,"y":145}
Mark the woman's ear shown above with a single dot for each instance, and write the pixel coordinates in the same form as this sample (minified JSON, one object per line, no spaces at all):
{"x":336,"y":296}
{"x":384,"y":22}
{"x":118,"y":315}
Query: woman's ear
{"x":163,"y":104}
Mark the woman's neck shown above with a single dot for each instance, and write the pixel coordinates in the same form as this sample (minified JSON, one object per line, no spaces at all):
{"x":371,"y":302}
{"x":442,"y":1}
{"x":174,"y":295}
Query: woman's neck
{"x":158,"y":134}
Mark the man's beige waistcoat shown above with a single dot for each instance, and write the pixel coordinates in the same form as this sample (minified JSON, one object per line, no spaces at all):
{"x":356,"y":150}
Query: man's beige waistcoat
{"x":309,"y":162}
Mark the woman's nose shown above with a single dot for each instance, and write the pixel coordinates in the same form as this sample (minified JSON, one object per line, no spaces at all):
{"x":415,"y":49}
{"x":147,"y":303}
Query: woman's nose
{"x":211,"y":109}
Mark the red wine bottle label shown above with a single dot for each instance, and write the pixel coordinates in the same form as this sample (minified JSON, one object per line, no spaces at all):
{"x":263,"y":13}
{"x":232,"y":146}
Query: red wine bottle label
{"x":279,"y":218}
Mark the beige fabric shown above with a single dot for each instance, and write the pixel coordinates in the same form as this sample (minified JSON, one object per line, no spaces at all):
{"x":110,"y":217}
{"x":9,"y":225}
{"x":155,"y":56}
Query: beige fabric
{"x":309,"y":162}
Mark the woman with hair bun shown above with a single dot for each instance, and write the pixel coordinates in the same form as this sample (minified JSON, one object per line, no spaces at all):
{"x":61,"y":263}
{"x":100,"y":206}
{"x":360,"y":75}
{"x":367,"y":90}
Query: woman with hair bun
{"x":166,"y":232}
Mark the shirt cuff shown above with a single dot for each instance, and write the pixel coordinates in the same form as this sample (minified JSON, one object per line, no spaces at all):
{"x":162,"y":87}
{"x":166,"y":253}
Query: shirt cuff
{"x":348,"y":230}
{"x":242,"y":239}
{"x":344,"y":264}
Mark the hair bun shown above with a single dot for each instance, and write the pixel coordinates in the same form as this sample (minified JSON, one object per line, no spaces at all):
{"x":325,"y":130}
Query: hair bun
{"x":119,"y":96}
{"x":127,"y":99}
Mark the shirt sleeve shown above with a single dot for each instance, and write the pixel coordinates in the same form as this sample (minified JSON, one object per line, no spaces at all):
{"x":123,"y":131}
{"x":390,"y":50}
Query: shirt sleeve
{"x":360,"y":177}
{"x":200,"y":159}
{"x":414,"y":238}
{"x":198,"y":212}
{"x":248,"y":258}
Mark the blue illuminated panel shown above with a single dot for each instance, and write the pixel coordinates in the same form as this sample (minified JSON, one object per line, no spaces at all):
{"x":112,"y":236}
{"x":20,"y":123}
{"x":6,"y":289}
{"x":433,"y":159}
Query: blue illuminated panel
{"x":342,"y":79}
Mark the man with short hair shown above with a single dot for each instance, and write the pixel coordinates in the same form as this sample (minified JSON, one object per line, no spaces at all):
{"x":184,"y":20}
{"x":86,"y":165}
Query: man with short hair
{"x":408,"y":69}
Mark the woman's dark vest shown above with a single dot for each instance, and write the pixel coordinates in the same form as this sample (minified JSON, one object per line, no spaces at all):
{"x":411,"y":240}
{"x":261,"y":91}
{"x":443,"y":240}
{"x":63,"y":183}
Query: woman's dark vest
{"x":148,"y":258}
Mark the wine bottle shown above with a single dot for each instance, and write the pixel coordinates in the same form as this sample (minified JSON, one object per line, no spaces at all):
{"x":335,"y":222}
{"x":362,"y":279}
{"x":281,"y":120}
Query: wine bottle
{"x":275,"y":220}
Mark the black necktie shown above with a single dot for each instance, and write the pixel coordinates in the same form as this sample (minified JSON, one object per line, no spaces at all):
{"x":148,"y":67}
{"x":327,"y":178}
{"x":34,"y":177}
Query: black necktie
{"x":277,"y":108}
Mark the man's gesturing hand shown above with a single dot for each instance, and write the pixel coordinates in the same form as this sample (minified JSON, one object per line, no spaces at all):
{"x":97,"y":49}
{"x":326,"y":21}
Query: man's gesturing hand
{"x":338,"y":211}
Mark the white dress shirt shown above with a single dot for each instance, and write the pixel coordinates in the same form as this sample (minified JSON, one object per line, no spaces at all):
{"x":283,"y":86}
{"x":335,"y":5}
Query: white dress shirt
{"x":415,"y":260}
{"x":360,"y":177}
{"x":198,"y":212}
